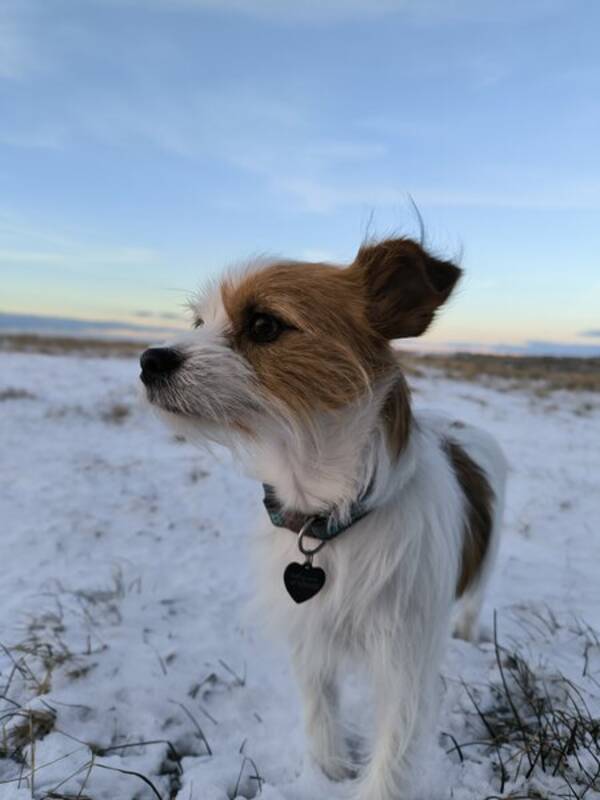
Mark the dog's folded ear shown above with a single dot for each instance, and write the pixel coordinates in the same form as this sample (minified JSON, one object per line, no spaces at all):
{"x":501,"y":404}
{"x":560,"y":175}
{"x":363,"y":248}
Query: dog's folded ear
{"x":404,"y":284}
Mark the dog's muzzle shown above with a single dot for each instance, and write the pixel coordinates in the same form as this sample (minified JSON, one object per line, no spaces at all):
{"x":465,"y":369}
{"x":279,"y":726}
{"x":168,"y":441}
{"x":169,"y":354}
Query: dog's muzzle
{"x":159,"y":363}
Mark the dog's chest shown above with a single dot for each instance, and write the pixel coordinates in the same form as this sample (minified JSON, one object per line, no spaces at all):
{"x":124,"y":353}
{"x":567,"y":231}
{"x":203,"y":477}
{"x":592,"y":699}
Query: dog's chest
{"x":333,"y":611}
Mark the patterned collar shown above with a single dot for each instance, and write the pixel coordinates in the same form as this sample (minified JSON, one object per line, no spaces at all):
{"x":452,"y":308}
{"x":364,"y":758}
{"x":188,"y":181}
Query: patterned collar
{"x":322,"y":526}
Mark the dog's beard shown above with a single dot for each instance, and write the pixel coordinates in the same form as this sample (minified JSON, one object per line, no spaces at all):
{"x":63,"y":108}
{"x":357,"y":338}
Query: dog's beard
{"x":214,"y":386}
{"x":234,"y":411}
{"x":203,"y":415}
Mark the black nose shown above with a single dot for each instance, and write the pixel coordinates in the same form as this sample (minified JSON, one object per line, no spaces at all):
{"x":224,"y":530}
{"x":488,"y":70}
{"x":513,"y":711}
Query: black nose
{"x":158,"y":362}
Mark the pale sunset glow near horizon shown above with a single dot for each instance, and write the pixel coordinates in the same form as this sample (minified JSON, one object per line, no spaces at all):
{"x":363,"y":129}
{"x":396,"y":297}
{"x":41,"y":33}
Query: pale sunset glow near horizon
{"x":145,"y":146}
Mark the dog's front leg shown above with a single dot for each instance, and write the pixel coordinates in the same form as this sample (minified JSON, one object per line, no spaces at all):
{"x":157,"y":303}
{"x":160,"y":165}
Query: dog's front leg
{"x":318,"y":684}
{"x":404,"y":692}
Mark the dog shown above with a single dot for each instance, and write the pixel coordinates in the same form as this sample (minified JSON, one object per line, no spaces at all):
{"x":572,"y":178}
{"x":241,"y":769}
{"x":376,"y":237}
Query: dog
{"x":382,"y":523}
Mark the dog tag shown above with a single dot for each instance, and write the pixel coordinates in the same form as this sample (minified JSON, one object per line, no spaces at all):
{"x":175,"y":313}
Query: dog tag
{"x":303,"y":581}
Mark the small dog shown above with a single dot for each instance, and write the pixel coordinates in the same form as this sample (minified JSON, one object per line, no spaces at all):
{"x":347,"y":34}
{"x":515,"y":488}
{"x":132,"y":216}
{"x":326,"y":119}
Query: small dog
{"x":290,"y":365}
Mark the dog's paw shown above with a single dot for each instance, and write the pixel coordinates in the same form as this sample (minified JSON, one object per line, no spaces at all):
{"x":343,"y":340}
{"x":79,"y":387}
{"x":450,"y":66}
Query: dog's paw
{"x":467,"y":627}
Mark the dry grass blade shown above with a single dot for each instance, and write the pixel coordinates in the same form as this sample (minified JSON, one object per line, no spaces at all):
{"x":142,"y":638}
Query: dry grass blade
{"x":493,"y":740}
{"x":139,"y":775}
{"x":34,"y":724}
{"x":87,"y":777}
{"x":256,"y":777}
{"x":543,"y":725}
{"x":40,"y":767}
{"x":507,"y":692}
{"x":74,"y":774}
{"x":194,"y":721}
{"x":239,"y":681}
{"x":455,"y":748}
{"x":175,"y":756}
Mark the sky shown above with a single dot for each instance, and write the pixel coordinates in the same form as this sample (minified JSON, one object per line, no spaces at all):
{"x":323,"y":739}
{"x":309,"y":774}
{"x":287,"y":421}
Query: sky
{"x":147,"y":144}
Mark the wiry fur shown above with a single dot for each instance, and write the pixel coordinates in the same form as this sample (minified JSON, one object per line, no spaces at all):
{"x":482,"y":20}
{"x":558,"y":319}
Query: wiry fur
{"x":322,"y":414}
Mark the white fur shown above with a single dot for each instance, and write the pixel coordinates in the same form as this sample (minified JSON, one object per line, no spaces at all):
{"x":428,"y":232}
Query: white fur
{"x":391,"y":582}
{"x":391,"y":578}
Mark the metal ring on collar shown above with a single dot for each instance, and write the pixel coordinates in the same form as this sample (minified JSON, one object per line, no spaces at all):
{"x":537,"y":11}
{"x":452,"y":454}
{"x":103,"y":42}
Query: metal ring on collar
{"x":304,"y":532}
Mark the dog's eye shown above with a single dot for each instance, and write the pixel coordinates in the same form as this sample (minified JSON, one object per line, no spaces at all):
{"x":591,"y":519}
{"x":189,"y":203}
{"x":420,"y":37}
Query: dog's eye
{"x":198,"y":323}
{"x":264,"y":328}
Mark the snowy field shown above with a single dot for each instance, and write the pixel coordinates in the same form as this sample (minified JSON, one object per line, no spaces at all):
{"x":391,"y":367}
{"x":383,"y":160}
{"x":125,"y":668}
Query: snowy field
{"x":131,"y":667}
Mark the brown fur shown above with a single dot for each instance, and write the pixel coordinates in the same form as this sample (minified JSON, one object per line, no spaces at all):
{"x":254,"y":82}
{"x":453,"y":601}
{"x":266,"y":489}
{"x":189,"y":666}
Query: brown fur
{"x":330,"y":356}
{"x":479,"y":497}
{"x":397,"y":416}
{"x":340,"y":321}
{"x":405,"y":285}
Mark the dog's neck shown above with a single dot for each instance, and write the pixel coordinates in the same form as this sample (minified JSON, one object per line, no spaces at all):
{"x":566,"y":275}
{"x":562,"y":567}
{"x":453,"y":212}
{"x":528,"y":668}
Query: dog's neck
{"x":343,"y":455}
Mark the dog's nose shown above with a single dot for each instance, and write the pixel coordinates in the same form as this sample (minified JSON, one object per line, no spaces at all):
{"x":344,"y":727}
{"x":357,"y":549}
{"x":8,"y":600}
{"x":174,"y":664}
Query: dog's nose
{"x":158,"y":362}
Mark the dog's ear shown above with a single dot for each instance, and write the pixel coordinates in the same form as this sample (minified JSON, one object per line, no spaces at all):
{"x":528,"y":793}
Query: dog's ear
{"x":404,"y":286}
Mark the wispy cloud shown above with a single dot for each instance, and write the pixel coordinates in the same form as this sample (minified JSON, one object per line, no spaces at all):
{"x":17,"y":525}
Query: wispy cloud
{"x":284,"y":145}
{"x":290,"y":10}
{"x":325,"y":11}
{"x":37,"y":323}
{"x":322,"y":256}
{"x":594,"y":334}
{"x":284,"y":142}
{"x":157,"y":315}
{"x":24,"y":244}
{"x":80,"y":255}
{"x":17,"y":51}
{"x":322,"y":197}
{"x":43,"y":136}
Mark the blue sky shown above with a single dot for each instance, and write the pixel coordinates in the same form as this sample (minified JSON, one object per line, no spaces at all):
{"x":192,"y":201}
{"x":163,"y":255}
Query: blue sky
{"x":145,"y":144}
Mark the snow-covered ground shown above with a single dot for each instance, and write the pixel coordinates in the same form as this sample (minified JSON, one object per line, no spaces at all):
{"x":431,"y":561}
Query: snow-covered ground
{"x":125,"y":579}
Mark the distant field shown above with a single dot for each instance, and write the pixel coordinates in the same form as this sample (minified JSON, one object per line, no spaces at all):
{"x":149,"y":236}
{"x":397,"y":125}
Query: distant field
{"x":541,"y":373}
{"x":65,"y":345}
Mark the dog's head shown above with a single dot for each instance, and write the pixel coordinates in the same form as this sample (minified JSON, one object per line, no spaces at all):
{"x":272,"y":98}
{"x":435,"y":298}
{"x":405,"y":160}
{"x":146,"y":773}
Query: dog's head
{"x":292,"y":340}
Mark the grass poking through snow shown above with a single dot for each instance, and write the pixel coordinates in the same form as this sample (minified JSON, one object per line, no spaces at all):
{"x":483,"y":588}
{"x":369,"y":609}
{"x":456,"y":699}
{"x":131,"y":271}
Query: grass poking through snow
{"x":537,"y":728}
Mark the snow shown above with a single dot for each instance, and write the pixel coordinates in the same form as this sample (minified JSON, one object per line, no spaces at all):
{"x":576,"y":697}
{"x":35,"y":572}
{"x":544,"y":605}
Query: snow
{"x":126,"y":581}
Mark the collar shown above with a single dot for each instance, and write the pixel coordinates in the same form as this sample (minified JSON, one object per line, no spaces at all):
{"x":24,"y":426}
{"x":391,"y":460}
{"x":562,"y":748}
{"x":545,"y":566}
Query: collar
{"x":320,"y":526}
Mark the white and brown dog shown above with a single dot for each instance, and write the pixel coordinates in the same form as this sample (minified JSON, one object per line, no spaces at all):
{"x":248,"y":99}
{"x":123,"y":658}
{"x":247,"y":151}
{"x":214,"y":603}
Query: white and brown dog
{"x":290,"y":364}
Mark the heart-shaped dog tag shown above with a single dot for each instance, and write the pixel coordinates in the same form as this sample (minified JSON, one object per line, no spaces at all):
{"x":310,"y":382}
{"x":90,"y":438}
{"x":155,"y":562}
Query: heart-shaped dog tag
{"x":303,"y":581}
